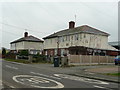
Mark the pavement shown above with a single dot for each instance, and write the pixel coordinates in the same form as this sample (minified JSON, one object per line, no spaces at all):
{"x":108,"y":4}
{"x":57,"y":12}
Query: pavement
{"x":98,"y":72}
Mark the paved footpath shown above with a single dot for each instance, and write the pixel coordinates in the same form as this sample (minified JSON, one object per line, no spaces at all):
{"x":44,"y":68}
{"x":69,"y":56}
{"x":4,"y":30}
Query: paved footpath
{"x":86,"y":71}
{"x":99,"y":72}
{"x":93,"y":71}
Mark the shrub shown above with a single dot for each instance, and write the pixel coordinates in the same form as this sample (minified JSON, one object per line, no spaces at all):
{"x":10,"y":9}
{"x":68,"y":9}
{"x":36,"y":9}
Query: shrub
{"x":24,"y":53}
{"x":39,"y":58}
{"x":10,"y":55}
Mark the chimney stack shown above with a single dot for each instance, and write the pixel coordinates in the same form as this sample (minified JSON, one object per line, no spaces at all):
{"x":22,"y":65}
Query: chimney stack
{"x":25,"y":34}
{"x":71,"y":24}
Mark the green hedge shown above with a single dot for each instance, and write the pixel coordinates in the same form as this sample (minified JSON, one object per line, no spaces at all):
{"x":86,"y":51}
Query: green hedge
{"x":39,"y":58}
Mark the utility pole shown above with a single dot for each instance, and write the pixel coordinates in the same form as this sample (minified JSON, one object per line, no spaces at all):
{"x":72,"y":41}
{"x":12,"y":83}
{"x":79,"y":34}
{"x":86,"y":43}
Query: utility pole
{"x":58,"y":46}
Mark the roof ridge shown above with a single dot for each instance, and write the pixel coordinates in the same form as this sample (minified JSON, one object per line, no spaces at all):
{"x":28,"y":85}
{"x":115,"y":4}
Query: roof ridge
{"x":33,"y":39}
{"x":83,"y":28}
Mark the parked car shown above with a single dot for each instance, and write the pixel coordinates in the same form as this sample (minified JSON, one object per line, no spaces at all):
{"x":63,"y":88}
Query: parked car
{"x":117,"y":60}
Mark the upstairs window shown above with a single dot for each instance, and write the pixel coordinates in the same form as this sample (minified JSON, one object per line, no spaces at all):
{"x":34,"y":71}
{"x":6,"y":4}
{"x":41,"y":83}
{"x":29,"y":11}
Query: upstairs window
{"x":84,"y":36}
{"x":62,"y":39}
{"x":76,"y":37}
{"x":71,"y":37}
{"x":66,"y":38}
{"x":80,"y":37}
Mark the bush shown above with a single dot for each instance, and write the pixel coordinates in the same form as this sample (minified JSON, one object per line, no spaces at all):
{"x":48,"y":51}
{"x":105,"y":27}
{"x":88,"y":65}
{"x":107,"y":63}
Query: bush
{"x":10,"y":55}
{"x":3,"y":52}
{"x":24,"y":53}
{"x":39,"y":58}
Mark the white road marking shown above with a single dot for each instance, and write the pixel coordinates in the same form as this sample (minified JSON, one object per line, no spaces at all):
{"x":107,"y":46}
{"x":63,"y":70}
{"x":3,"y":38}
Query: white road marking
{"x":90,"y":73}
{"x":19,"y":63}
{"x":16,"y":63}
{"x":98,"y":86}
{"x":12,"y":87}
{"x":42,"y":81}
{"x":102,"y":87}
{"x":11,"y":67}
{"x":45,"y":75}
{"x":80,"y":79}
{"x":37,"y":79}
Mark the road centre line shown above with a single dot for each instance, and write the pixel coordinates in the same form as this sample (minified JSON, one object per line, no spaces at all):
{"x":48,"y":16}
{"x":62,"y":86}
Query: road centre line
{"x":102,"y":87}
{"x":11,"y":67}
{"x":98,"y":86}
{"x":12,"y":87}
{"x":45,"y":75}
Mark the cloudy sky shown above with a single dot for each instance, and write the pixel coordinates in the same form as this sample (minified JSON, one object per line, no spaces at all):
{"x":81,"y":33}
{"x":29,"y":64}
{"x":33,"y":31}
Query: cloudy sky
{"x":43,"y":18}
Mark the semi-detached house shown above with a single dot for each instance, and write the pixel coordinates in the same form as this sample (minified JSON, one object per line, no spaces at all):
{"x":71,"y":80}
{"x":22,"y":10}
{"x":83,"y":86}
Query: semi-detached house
{"x":33,"y":44}
{"x":77,"y":40}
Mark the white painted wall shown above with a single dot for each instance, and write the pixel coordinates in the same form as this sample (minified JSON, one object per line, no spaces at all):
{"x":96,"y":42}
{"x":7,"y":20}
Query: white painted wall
{"x":81,"y":39}
{"x":33,"y":45}
{"x":27,"y":45}
{"x":50,"y":43}
{"x":17,"y":46}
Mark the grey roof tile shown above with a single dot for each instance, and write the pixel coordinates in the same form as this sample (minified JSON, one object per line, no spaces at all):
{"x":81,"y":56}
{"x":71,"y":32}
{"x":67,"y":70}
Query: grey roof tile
{"x":84,"y":28}
{"x":29,"y":38}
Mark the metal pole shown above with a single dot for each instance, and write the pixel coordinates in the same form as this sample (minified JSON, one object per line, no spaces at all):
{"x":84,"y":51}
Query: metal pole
{"x":58,"y":46}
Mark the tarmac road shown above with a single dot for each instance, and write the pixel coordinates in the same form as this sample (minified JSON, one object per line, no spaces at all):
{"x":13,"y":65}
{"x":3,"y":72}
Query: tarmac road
{"x":16,"y":75}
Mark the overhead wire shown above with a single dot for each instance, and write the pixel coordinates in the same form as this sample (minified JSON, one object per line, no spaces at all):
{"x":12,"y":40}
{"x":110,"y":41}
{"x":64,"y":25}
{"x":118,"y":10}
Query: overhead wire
{"x":21,"y":28}
{"x":20,"y":18}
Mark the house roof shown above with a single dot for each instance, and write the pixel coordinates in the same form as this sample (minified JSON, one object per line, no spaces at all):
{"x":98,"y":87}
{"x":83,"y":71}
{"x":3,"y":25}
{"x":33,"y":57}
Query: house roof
{"x":80,"y":29}
{"x":115,"y":43}
{"x":29,"y":39}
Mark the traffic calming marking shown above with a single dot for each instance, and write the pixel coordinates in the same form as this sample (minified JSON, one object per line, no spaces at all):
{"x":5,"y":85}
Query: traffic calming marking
{"x":80,"y":79}
{"x":36,"y":81}
{"x":48,"y":76}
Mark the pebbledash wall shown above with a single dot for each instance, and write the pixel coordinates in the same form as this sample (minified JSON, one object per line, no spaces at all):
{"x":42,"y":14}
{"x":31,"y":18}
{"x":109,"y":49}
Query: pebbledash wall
{"x":78,"y":39}
{"x":27,"y":45}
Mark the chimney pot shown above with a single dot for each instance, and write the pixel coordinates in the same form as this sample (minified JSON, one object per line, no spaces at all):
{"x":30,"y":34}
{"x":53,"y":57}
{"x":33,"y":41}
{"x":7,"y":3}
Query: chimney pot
{"x":25,"y":34}
{"x":71,"y":24}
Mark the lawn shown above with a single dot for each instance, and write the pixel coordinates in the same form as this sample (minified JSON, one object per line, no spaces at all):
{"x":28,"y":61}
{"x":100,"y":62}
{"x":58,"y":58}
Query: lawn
{"x":114,"y":74}
{"x":26,"y":61}
{"x":19,"y":61}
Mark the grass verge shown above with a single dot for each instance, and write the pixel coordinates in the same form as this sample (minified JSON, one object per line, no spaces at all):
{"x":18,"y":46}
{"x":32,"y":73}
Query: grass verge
{"x":27,"y":61}
{"x":114,"y":74}
{"x":19,"y":61}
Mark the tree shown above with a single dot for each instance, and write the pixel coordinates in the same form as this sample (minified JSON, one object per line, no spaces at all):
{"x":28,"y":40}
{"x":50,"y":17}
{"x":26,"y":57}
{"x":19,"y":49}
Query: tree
{"x":3,"y":51}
